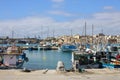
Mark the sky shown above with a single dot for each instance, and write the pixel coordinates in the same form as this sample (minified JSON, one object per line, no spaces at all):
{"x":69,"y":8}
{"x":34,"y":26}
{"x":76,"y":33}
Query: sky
{"x":48,"y":18}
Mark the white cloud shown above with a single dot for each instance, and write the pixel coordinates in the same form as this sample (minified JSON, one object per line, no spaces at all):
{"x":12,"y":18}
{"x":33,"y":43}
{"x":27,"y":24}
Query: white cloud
{"x":108,"y":7}
{"x":109,"y":21}
{"x":58,"y":4}
{"x":60,"y":13}
{"x":107,"y":15}
{"x":25,"y":26}
{"x":58,"y":1}
{"x":35,"y":25}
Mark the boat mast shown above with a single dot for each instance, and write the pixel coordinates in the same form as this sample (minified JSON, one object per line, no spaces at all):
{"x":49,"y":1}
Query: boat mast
{"x":48,"y":32}
{"x":41,"y":32}
{"x":53,"y":33}
{"x":71,"y":33}
{"x":85,"y":33}
{"x":12,"y":33}
{"x":85,"y":29}
{"x":92,"y":32}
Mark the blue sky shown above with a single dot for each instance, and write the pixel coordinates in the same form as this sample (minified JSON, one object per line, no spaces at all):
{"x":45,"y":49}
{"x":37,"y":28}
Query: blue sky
{"x":36,"y":16}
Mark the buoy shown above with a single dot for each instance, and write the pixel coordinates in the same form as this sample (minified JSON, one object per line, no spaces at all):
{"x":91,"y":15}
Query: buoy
{"x":44,"y":58}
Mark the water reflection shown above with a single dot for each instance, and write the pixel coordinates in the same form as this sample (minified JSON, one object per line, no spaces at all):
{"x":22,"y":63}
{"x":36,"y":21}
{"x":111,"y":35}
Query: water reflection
{"x":47,"y":59}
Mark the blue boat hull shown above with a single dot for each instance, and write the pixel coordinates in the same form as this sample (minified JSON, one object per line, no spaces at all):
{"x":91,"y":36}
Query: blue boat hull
{"x":68,"y":48}
{"x":104,"y":65}
{"x":19,"y":66}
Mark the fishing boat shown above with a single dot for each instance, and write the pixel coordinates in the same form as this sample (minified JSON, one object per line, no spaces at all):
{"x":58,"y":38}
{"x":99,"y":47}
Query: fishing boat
{"x":1,"y":50}
{"x":68,"y":47}
{"x":113,"y":63}
{"x":12,"y":58}
{"x":84,"y":60}
{"x":45,"y":47}
{"x":111,"y":58}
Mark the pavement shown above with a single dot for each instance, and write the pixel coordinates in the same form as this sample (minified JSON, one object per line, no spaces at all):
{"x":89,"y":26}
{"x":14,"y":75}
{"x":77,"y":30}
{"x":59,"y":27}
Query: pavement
{"x":89,"y":74}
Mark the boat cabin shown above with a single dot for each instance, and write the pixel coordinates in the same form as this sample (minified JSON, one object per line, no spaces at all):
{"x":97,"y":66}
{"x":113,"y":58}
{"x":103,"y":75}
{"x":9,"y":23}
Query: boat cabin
{"x":82,"y":59}
{"x":12,"y":58}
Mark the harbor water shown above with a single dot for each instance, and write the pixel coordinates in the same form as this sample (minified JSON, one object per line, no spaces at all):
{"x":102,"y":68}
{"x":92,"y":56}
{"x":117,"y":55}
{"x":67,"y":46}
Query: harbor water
{"x":40,"y":59}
